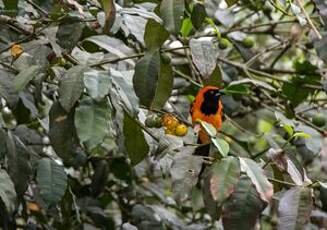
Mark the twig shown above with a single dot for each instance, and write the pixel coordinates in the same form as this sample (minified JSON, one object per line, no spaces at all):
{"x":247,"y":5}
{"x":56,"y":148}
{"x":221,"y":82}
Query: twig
{"x":301,"y":4}
{"x":282,"y":182}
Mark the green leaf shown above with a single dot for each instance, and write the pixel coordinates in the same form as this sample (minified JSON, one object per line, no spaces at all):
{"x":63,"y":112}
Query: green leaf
{"x":258,"y":178}
{"x":222,"y":178}
{"x":19,"y":167}
{"x":243,"y":208}
{"x":91,"y":121}
{"x":164,"y":86}
{"x":154,"y":28}
{"x":110,"y":13}
{"x":209,"y":128}
{"x":295,"y":93}
{"x":302,"y":134}
{"x":236,"y":89}
{"x":204,"y":55}
{"x":198,"y":15}
{"x":294,"y":208}
{"x":97,"y":83}
{"x":7,"y":89}
{"x":62,"y":133}
{"x":135,"y":143}
{"x":172,"y":12}
{"x":69,"y":33}
{"x":122,"y":82}
{"x":231,"y":2}
{"x":25,"y":76}
{"x":146,"y":77}
{"x":186,"y":27}
{"x":112,"y":45}
{"x":254,"y":82}
{"x":184,"y":172}
{"x":7,"y":192}
{"x":221,"y":145}
{"x":71,"y":87}
{"x":51,"y":180}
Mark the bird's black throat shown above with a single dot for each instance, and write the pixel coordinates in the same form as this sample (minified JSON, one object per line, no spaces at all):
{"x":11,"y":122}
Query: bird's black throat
{"x":210,"y":104}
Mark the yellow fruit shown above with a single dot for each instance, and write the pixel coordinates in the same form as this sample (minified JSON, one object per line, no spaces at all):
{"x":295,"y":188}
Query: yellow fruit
{"x":181,"y":130}
{"x":16,"y":50}
{"x":169,"y":131}
{"x":169,"y":121}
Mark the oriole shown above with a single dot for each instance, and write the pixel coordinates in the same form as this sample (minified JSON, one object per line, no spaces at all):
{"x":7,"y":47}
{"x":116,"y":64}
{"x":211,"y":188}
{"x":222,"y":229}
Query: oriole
{"x":207,"y":107}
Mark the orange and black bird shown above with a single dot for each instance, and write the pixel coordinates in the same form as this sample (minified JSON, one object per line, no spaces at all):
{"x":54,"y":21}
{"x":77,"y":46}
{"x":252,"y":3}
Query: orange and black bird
{"x":207,"y":107}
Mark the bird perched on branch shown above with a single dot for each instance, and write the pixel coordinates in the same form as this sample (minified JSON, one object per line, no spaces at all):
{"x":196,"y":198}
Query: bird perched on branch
{"x":207,"y":107}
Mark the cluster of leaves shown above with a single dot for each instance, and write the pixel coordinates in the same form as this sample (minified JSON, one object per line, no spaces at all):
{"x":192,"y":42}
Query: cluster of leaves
{"x":78,"y":79}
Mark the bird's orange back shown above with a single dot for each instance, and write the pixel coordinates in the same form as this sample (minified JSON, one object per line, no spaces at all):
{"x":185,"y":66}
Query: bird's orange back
{"x":207,"y":107}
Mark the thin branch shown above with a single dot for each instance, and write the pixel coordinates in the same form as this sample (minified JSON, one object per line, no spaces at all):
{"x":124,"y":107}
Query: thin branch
{"x":301,"y":4}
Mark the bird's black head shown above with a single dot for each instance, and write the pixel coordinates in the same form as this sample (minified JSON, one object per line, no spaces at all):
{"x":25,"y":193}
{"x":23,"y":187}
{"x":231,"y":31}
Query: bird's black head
{"x":210,"y":104}
{"x":212,"y":95}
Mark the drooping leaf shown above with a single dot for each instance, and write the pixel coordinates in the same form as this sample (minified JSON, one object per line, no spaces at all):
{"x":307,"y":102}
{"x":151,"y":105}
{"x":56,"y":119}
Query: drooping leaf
{"x":258,"y":178}
{"x":164,"y":85}
{"x":19,"y":167}
{"x":146,"y":77}
{"x":221,"y":145}
{"x":123,"y":83}
{"x":222,"y":178}
{"x":97,"y":83}
{"x":294,"y":208}
{"x":71,"y":87}
{"x":135,"y":143}
{"x":7,"y":192}
{"x":7,"y":89}
{"x":243,"y":207}
{"x":51,"y":180}
{"x":62,"y":133}
{"x":209,"y":128}
{"x":172,"y":12}
{"x":184,"y":172}
{"x":154,"y":28}
{"x":91,"y":121}
{"x":204,"y":55}
{"x":198,"y":15}
{"x":25,"y":76}
{"x":110,"y":14}
{"x":69,"y":33}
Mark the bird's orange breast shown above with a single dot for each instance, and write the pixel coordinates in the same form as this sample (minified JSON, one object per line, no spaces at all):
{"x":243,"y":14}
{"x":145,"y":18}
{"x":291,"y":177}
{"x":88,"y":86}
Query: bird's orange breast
{"x":211,"y":114}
